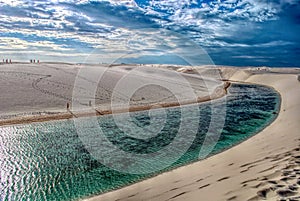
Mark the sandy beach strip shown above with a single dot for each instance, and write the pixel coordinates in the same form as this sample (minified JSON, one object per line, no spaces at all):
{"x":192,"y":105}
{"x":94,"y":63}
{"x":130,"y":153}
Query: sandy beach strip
{"x":40,"y":92}
{"x":265,"y":167}
{"x":26,"y":119}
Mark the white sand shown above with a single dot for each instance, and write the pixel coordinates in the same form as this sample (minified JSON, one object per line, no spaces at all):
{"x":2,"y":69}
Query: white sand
{"x":265,"y":167}
{"x":46,"y":88}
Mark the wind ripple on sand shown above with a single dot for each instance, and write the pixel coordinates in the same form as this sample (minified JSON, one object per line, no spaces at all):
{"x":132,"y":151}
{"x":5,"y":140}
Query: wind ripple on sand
{"x":283,"y":179}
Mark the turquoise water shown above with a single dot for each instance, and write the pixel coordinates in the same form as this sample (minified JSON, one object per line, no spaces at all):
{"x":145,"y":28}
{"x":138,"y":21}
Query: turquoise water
{"x":48,"y":161}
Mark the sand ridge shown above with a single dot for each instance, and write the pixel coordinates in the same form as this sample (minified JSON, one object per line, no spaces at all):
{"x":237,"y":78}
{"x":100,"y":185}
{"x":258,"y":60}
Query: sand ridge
{"x":265,"y":167}
{"x":40,"y":92}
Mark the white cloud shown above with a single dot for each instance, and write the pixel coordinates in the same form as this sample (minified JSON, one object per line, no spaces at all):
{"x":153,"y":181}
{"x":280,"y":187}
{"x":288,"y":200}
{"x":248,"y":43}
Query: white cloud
{"x":13,"y":3}
{"x":205,"y":23}
{"x":251,"y":57}
{"x":13,"y":43}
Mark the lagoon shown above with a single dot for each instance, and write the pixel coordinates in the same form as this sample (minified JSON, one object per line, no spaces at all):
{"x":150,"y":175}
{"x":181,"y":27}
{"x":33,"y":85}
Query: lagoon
{"x":49,"y":161}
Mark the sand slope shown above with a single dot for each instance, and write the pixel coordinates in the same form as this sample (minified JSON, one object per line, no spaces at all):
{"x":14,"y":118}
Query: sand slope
{"x":38,"y":92}
{"x":267,"y":166}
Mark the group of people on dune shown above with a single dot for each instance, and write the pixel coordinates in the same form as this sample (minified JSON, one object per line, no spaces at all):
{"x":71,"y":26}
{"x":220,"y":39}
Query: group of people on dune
{"x":34,"y":61}
{"x":7,"y":61}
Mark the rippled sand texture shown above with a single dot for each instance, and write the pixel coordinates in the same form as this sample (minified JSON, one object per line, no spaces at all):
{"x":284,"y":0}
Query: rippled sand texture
{"x":265,"y":167}
{"x":50,"y":161}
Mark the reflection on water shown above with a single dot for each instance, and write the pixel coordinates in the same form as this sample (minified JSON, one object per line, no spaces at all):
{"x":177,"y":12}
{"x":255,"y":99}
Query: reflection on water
{"x":47,"y":161}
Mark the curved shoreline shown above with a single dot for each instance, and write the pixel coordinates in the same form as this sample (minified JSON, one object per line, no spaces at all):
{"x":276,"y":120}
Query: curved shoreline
{"x":236,"y":186}
{"x":88,"y":198}
{"x":250,"y":170}
{"x":96,"y":112}
{"x":232,"y":93}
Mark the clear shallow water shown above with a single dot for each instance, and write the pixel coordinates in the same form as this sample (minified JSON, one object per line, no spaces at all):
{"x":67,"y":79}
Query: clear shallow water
{"x":48,"y":161}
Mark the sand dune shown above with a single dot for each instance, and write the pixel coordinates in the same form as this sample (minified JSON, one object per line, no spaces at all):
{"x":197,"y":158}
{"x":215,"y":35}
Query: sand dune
{"x":40,"y":92}
{"x":265,"y":167}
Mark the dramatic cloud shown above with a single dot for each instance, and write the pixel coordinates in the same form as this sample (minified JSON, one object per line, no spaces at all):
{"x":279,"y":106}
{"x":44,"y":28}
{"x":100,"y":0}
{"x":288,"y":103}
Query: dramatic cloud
{"x":233,"y":32}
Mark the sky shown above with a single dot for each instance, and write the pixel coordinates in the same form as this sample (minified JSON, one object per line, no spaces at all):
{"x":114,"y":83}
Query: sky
{"x":188,"y":32}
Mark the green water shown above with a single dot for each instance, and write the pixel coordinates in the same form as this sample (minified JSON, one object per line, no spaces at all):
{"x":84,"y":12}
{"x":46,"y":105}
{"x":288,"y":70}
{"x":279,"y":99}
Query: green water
{"x":49,"y":161}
